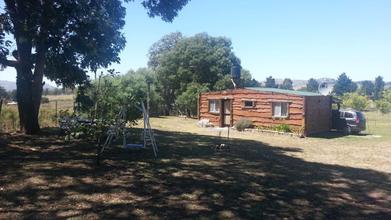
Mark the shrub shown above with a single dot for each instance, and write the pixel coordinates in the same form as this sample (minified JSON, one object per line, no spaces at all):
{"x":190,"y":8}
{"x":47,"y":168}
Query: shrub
{"x":384,"y":106}
{"x":243,"y":123}
{"x":282,"y":128}
{"x":355,"y":101}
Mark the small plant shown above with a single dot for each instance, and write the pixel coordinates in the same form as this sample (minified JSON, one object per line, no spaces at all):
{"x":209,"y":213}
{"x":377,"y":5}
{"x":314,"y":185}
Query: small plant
{"x":283,"y":128}
{"x":243,"y":123}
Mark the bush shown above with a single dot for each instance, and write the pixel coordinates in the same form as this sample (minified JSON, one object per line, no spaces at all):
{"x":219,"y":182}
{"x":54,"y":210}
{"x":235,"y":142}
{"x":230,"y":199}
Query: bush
{"x":243,"y":123}
{"x":384,"y":106}
{"x":282,"y":128}
{"x":355,"y":101}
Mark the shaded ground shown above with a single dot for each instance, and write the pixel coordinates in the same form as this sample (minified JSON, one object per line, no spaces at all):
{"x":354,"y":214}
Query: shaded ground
{"x":46,"y":178}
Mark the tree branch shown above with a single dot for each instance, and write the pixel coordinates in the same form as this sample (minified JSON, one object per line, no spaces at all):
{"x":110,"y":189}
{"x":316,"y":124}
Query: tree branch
{"x":11,"y":63}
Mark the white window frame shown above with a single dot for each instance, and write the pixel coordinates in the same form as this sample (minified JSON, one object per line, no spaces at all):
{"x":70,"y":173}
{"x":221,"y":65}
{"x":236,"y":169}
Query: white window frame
{"x":214,"y":105}
{"x":278,"y":114}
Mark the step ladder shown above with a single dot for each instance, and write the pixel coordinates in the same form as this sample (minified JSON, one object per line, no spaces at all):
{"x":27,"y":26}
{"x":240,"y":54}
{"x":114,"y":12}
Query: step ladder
{"x":148,"y":135}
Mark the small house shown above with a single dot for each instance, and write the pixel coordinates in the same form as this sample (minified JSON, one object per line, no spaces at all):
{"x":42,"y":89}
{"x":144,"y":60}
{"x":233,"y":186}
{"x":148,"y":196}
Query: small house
{"x":307,"y":112}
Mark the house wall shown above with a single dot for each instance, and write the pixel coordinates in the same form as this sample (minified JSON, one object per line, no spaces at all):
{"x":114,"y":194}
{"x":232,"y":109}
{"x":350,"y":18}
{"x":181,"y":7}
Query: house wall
{"x":261,"y":114}
{"x":318,"y":114}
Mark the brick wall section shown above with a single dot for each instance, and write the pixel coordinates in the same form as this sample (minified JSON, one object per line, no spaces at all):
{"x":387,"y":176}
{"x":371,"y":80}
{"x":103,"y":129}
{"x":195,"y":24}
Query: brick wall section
{"x":318,"y":114}
{"x":261,"y":114}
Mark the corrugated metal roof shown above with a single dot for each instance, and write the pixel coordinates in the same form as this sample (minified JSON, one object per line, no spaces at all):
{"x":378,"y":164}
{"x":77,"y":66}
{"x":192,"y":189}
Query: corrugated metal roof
{"x":284,"y":91}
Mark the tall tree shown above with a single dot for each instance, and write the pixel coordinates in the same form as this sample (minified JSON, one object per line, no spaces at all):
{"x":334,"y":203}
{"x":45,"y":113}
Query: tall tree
{"x":378,"y":88}
{"x":367,"y":88}
{"x":287,"y":84}
{"x":164,"y":45}
{"x":248,"y":80}
{"x":201,"y":59}
{"x":270,"y":82}
{"x":63,"y":40}
{"x":344,"y":85}
{"x":312,"y":85}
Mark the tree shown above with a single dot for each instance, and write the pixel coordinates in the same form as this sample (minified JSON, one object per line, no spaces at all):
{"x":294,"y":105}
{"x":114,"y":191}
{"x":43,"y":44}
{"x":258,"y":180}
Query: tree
{"x":248,"y":80}
{"x":63,"y":40}
{"x":270,"y":82}
{"x":3,"y":93}
{"x":201,"y":59}
{"x":137,"y":81}
{"x":378,"y":88}
{"x":287,"y":84}
{"x":344,"y":85}
{"x":355,"y":101}
{"x":188,"y":100}
{"x":384,"y":106}
{"x":312,"y":85}
{"x":367,"y":88}
{"x":164,"y":45}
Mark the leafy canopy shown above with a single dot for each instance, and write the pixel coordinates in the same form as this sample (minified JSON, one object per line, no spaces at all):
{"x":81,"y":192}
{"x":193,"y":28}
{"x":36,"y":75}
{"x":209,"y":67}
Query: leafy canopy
{"x":270,"y":82}
{"x":312,"y":85}
{"x":200,"y":59}
{"x":344,"y":85}
{"x":287,"y":84}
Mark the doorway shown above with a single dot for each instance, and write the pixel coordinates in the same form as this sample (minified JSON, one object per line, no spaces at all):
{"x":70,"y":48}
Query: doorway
{"x":225,"y":117}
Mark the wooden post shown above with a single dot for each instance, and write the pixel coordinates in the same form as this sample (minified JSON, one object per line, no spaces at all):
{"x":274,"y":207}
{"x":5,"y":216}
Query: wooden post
{"x":56,"y":110}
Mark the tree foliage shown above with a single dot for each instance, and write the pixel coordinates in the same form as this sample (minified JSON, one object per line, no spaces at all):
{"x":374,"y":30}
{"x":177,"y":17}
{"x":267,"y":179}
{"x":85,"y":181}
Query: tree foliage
{"x":63,"y":40}
{"x":344,"y":85}
{"x":200,"y":59}
{"x":270,"y":82}
{"x":286,"y":84}
{"x":378,"y":87}
{"x":384,"y":104}
{"x":187,"y":101}
{"x":164,"y":45}
{"x":355,"y":101}
{"x":312,"y":85}
{"x":367,"y":88}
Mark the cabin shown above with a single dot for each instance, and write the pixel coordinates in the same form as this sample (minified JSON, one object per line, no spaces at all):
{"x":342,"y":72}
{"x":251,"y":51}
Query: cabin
{"x":307,"y":112}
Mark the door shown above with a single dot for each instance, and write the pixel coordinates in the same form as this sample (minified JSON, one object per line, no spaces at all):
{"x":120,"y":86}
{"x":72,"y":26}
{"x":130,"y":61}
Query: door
{"x":226,"y":113}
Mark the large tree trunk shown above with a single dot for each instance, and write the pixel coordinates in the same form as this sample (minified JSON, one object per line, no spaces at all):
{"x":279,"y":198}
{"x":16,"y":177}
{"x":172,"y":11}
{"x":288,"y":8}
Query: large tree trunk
{"x":28,"y":114}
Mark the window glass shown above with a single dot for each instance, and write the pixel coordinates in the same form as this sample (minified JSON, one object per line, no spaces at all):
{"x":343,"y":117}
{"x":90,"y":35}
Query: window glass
{"x":348,"y":115}
{"x":214,"y":106}
{"x":280,"y":109}
{"x":249,"y":103}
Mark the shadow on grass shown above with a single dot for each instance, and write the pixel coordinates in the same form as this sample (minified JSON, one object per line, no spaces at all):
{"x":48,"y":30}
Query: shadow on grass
{"x":43,"y":177}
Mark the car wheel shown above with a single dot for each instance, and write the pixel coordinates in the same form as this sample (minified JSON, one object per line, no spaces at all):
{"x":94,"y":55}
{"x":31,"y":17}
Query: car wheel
{"x":347,"y":130}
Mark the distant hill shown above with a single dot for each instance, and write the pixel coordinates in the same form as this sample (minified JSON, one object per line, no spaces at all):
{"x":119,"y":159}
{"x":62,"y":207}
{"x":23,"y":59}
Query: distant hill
{"x":9,"y":86}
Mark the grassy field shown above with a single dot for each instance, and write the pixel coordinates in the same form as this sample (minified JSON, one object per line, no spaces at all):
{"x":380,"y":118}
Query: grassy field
{"x":261,"y":176}
{"x":9,"y":119}
{"x":371,"y":149}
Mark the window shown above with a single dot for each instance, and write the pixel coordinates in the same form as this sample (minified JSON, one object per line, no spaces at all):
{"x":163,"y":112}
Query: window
{"x":214,"y":106}
{"x":249,"y":104}
{"x":348,"y":115}
{"x":280,"y":109}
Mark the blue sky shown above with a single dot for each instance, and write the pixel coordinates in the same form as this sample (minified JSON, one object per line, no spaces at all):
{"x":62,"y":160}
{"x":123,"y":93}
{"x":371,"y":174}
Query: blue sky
{"x":283,"y":38}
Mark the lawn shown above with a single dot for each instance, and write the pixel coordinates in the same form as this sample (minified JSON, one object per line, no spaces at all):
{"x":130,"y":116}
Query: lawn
{"x":261,"y":176}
